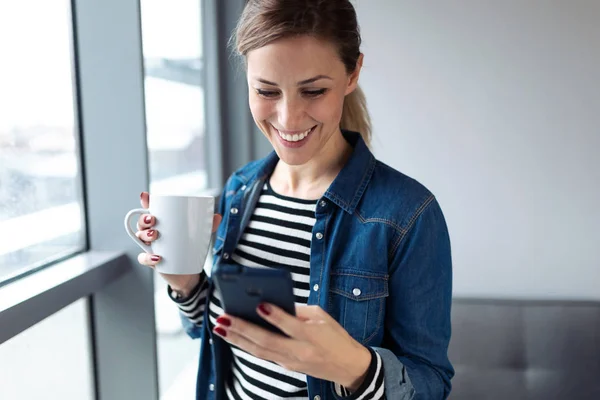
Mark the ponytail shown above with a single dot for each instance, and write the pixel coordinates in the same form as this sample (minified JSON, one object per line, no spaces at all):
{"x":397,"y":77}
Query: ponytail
{"x":355,"y":116}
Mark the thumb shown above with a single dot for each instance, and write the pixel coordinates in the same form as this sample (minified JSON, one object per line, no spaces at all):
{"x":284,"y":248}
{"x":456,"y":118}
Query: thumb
{"x":145,"y":199}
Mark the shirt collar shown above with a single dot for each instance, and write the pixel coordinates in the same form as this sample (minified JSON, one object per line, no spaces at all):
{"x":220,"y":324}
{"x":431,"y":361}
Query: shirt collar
{"x":347,"y":188}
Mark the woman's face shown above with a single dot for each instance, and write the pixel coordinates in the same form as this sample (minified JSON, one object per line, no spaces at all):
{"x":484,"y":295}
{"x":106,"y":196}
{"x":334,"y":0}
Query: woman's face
{"x":297,"y":88}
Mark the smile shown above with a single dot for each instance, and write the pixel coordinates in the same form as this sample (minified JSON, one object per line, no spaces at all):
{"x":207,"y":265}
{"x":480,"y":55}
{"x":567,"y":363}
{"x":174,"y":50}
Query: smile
{"x":296,"y":137}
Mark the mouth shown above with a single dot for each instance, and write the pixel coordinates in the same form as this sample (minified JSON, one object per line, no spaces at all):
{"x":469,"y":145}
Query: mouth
{"x":296,"y":138}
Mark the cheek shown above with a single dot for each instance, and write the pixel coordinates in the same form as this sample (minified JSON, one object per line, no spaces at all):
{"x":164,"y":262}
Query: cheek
{"x":261,"y":109}
{"x":328,"y":110}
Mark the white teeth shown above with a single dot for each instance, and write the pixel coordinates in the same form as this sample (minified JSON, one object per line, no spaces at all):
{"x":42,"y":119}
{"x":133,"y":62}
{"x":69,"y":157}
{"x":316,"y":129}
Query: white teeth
{"x":296,"y":137}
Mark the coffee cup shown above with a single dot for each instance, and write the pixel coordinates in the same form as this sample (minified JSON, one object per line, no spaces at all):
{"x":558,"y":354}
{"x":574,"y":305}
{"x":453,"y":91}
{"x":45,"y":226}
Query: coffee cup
{"x":184,"y":225}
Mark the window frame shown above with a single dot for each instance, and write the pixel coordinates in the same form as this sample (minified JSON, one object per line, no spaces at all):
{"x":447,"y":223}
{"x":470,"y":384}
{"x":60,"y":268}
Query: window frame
{"x":110,"y":110}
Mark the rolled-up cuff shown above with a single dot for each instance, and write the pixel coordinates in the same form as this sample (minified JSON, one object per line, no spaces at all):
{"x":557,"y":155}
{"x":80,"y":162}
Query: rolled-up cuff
{"x":397,"y":382}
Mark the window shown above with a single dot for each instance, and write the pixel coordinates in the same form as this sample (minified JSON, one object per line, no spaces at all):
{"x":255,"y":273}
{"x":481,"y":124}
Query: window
{"x":174,"y":96}
{"x":50,"y":360}
{"x":40,"y":186}
{"x":174,"y":100}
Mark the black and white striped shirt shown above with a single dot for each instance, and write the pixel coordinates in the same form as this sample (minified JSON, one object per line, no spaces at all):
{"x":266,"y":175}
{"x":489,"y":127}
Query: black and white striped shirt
{"x":279,"y":234}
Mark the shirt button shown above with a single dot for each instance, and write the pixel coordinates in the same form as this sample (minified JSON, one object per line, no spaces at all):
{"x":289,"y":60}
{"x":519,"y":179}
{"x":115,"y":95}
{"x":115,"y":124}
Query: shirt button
{"x":210,"y":341}
{"x":226,"y":256}
{"x":356,"y":292}
{"x":319,"y":235}
{"x":316,"y":287}
{"x":243,"y":188}
{"x":317,"y":397}
{"x":234,"y":210}
{"x":323,"y":203}
{"x":211,"y":387}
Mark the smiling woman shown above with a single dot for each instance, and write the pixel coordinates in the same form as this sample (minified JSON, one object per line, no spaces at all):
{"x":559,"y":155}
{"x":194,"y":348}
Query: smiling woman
{"x":367,"y":247}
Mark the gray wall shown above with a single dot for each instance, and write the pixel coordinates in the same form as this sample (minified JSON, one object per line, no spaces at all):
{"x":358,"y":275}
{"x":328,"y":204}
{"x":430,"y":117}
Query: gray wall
{"x":495,"y":106}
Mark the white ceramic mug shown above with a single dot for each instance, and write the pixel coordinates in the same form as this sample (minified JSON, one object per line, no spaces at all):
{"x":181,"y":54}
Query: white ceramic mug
{"x":184,"y":225}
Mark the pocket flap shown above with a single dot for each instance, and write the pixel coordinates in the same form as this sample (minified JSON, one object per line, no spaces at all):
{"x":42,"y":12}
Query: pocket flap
{"x":357,"y":285}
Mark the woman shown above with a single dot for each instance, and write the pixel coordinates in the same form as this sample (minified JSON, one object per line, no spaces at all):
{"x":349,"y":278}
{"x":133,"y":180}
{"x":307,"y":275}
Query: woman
{"x":367,"y":246}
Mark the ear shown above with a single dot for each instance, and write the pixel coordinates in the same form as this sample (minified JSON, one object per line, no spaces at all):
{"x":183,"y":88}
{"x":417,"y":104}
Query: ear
{"x":353,"y":77}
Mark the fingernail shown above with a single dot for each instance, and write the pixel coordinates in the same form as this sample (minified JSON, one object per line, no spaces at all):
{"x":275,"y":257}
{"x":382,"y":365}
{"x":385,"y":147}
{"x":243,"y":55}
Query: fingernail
{"x":147,"y":219}
{"x":265,"y":308}
{"x":220,"y":331}
{"x":150,"y":233}
{"x":141,"y":195}
{"x":155,"y":258}
{"x":224,"y":321}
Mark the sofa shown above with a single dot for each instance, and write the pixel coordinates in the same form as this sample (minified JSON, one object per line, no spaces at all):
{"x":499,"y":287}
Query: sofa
{"x":529,"y":350}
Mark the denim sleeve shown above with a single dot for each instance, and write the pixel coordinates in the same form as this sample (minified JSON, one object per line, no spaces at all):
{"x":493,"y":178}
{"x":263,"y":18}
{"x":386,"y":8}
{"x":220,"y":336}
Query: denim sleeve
{"x":415,"y":346}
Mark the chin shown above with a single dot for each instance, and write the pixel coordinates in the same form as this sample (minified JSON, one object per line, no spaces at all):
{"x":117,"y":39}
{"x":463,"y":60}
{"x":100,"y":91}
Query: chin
{"x":292,"y":160}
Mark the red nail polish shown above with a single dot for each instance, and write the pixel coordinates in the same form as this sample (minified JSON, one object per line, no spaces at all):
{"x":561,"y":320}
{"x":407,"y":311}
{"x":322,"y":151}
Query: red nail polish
{"x":147,"y":219}
{"x":220,"y":331}
{"x":150,"y":233}
{"x":224,"y":321}
{"x":155,"y":258}
{"x":265,"y":309}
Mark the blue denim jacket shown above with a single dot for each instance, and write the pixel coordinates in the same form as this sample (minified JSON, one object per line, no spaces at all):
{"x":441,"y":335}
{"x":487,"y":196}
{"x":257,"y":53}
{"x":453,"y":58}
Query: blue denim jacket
{"x":382,"y":233}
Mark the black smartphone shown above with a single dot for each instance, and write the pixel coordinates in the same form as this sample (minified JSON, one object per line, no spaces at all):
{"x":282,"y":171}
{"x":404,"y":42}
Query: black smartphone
{"x":242,"y":289}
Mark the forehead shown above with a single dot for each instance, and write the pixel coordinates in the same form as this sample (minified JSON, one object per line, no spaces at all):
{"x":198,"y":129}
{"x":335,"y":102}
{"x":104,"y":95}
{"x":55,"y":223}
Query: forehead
{"x":294,"y":59}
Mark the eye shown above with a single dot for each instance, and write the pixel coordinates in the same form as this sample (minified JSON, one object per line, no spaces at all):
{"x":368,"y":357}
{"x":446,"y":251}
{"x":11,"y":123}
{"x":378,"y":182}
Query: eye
{"x":314,"y":93}
{"x":267,"y":93}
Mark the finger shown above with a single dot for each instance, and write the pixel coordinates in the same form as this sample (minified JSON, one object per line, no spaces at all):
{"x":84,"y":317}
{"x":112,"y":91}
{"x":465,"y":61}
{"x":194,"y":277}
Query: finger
{"x":255,"y":334}
{"x":216,"y":221}
{"x":149,"y":260}
{"x":248,"y":346}
{"x":146,"y":221}
{"x":288,"y":324}
{"x":147,"y":235}
{"x":145,"y":199}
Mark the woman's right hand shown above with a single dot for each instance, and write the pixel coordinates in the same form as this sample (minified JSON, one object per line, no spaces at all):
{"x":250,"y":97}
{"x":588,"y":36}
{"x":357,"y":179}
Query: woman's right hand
{"x":183,"y":284}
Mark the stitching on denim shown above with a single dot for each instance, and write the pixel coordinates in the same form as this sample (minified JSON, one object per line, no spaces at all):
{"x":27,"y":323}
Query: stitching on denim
{"x":363,"y":183}
{"x":382,"y":220}
{"x":364,"y":331}
{"x":338,"y":198}
{"x":322,"y":259}
{"x":379,"y":319}
{"x":350,"y":296}
{"x":410,"y":224}
{"x":384,"y":277}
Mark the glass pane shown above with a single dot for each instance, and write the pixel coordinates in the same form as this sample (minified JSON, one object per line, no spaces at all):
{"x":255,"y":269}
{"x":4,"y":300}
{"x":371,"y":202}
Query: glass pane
{"x":40,"y":196}
{"x":50,"y":360}
{"x":171,"y":35}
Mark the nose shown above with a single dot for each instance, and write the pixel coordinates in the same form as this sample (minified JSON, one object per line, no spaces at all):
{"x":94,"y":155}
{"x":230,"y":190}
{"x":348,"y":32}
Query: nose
{"x":290,"y":113}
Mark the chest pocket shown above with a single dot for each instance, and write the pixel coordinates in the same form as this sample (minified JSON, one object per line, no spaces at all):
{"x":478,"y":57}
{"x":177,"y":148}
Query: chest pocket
{"x":357,"y":301}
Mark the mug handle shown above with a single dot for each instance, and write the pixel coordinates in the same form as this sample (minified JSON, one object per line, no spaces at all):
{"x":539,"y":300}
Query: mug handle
{"x":131,"y":233}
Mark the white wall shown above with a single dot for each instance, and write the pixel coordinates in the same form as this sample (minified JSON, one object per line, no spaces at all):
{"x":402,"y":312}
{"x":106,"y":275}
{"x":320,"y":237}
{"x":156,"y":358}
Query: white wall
{"x":495,"y":106}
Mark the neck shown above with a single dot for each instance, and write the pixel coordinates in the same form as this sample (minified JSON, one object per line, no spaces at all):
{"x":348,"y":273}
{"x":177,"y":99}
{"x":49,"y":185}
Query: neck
{"x":311,"y":180}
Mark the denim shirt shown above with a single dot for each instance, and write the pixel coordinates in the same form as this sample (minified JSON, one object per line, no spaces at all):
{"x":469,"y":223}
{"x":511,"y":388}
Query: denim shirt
{"x":380,"y":264}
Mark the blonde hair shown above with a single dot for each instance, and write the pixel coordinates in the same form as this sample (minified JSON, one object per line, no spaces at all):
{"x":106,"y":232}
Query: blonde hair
{"x":264,"y":21}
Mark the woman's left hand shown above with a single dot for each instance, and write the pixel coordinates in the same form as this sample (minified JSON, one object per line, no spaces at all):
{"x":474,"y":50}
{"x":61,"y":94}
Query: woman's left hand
{"x":317,"y":344}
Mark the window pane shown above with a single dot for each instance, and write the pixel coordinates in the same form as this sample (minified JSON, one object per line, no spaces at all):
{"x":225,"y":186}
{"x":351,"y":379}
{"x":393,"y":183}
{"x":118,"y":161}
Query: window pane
{"x":171,"y":35}
{"x":40,"y":196}
{"x":50,"y":360}
{"x":174,"y":96}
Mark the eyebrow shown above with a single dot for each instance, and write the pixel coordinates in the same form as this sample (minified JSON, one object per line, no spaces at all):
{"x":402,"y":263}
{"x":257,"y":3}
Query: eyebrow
{"x":304,"y":82}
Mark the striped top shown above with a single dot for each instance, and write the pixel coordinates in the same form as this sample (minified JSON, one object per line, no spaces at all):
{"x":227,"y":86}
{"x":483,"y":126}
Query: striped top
{"x":279,"y":234}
